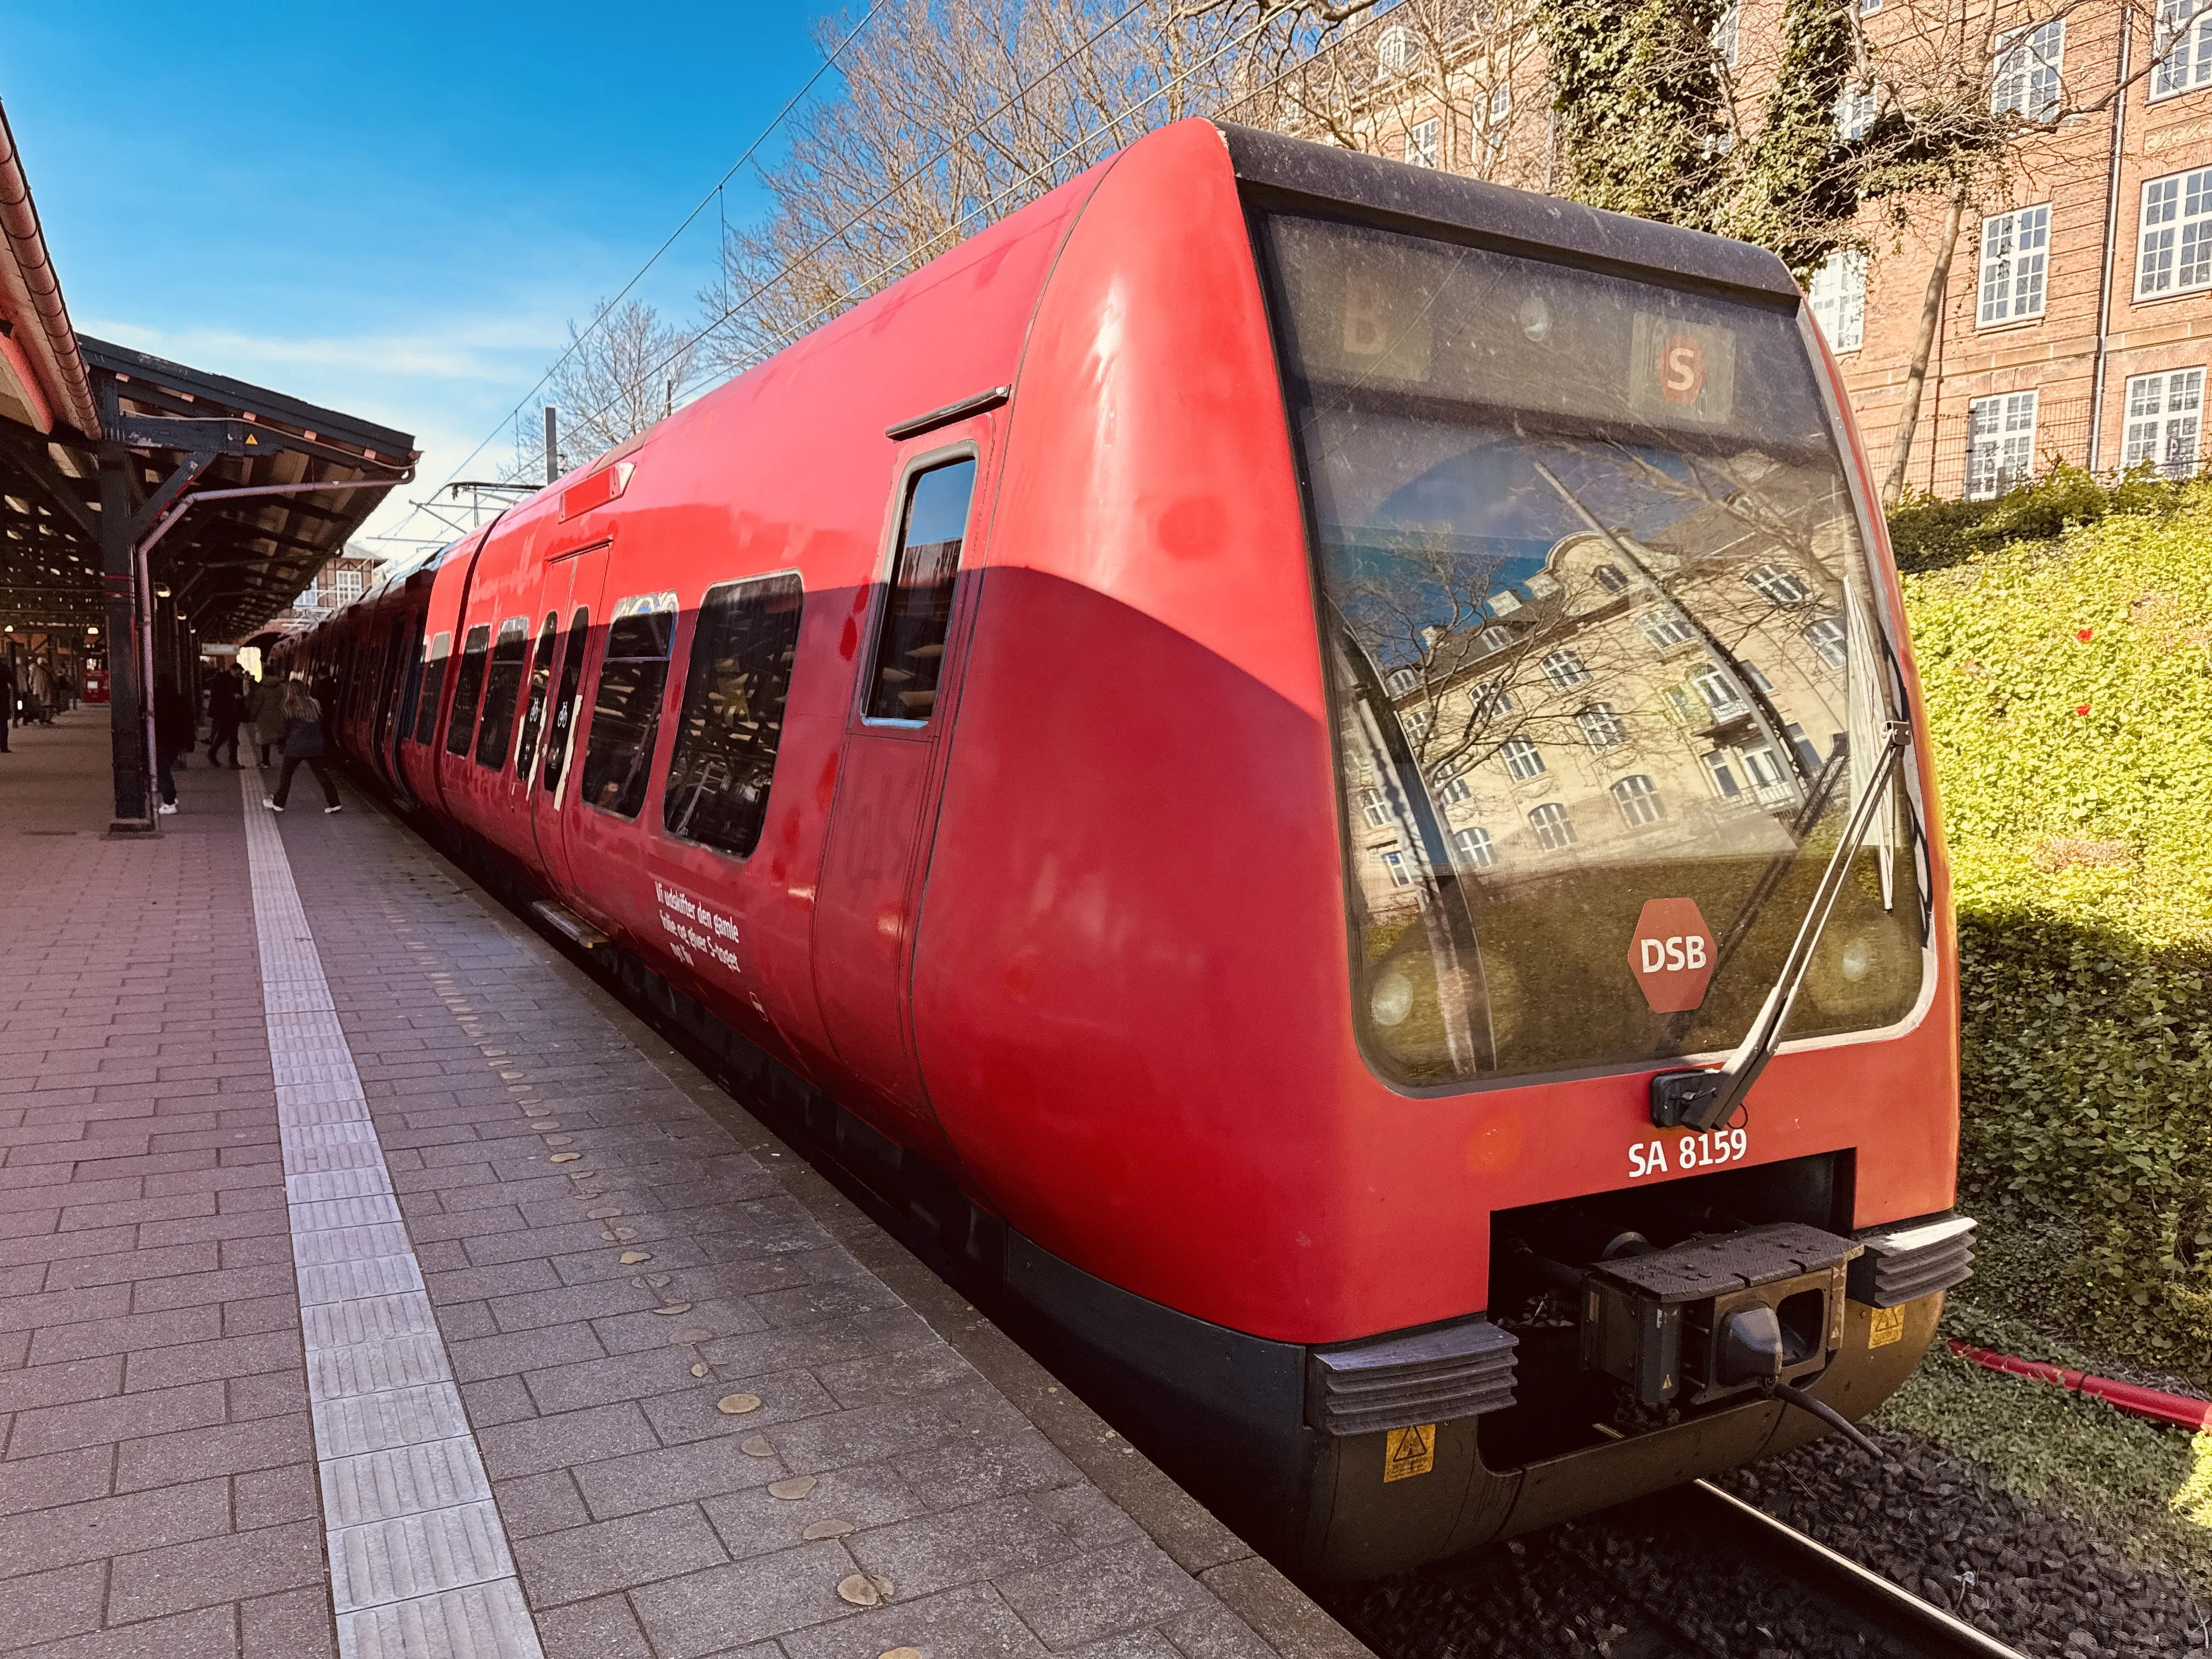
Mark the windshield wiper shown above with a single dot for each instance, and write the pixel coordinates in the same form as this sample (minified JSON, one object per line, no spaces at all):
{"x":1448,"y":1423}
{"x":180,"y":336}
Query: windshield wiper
{"x":1701,"y":1099}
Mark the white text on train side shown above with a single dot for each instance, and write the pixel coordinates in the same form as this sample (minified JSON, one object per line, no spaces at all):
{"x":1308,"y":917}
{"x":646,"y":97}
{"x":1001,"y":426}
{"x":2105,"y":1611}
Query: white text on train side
{"x":1650,"y":1158}
{"x":693,"y":930}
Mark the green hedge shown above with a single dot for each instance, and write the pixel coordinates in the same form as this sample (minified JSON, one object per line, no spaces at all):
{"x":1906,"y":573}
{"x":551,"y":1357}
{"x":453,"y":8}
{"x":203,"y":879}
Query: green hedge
{"x":2064,"y":641}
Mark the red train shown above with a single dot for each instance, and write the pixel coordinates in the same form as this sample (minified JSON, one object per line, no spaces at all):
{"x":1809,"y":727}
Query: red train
{"x":1242,"y":743}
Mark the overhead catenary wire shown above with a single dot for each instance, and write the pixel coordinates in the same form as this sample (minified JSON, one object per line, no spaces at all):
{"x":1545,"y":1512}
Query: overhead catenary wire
{"x":861,"y":290}
{"x":714,"y":195}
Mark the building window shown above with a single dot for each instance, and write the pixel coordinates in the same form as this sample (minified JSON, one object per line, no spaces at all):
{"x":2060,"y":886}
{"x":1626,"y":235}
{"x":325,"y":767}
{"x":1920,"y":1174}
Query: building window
{"x":1504,"y":602}
{"x":1497,"y":121}
{"x":2183,"y":44}
{"x":2177,"y":234}
{"x":2001,"y":444}
{"x":1564,"y":669}
{"x":1374,"y":809}
{"x":2029,"y":62}
{"x":1769,"y":781}
{"x":2015,"y":247}
{"x":1452,"y":788}
{"x":1868,"y":8}
{"x":1415,"y":722}
{"x":1395,"y":51}
{"x":1751,"y":672}
{"x":1602,"y":726}
{"x":1718,"y":691}
{"x":347,"y":585}
{"x":1523,"y":759}
{"x":1554,"y":829}
{"x":2163,"y":411}
{"x":1395,"y":864}
{"x":1637,"y":798}
{"x":1542,"y":585}
{"x":1839,"y":300}
{"x":1492,"y":699}
{"x":1795,"y":735}
{"x":1777,"y":585}
{"x":1493,"y":638}
{"x":1725,"y":30}
{"x":1827,"y":638}
{"x":1474,"y":848}
{"x":1664,"y":627}
{"x":1721,"y":775}
{"x":1608,"y":577}
{"x":1421,"y":142}
{"x":1855,"y":112}
{"x":1402,"y":682}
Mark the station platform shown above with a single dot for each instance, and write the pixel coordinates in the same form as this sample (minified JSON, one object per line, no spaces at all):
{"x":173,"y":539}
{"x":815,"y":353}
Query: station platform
{"x":372,"y":1283}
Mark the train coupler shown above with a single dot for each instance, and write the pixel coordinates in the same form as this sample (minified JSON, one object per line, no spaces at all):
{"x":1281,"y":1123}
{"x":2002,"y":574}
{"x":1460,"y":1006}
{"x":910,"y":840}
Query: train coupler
{"x":1718,"y":1314}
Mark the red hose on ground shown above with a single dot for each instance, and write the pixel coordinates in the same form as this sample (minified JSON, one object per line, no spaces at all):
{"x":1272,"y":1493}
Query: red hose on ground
{"x":2175,"y":1408}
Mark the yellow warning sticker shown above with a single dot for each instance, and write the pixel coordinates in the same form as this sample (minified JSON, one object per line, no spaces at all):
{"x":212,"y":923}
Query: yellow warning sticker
{"x":1886,"y":1326}
{"x":1408,"y":1452}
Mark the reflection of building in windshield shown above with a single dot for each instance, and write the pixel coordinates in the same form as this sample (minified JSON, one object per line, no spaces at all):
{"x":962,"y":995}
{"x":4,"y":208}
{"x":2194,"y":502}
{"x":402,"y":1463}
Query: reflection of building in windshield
{"x":1580,"y":716}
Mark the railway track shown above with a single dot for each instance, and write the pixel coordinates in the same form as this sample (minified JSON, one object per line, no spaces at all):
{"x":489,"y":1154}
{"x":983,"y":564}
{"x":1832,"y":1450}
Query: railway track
{"x":1693,"y":1573}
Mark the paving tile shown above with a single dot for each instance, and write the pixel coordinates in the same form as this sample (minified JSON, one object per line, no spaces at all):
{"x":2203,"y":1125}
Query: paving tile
{"x":71,"y":1533}
{"x":973,"y":1622}
{"x":57,"y":1477}
{"x":292,"y":1624}
{"x":767,"y":1596}
{"x":208,"y":1633}
{"x":36,"y":1384}
{"x":753,"y":1521}
{"x":601,"y":1628}
{"x":638,"y":1549}
{"x":511,"y":1449}
{"x":990,"y":1540}
{"x":216,"y":1570}
{"x":126,"y":1417}
{"x":40,"y":1607}
{"x":1085,"y":1597}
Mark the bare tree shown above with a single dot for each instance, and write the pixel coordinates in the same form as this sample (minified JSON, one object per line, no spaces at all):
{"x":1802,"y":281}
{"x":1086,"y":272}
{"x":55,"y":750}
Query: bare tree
{"x":1358,"y":86}
{"x":954,"y":113}
{"x":623,"y":371}
{"x":1963,"y":101}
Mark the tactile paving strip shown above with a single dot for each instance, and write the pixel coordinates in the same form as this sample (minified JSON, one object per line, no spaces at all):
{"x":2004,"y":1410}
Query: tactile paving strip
{"x":420,"y":1567}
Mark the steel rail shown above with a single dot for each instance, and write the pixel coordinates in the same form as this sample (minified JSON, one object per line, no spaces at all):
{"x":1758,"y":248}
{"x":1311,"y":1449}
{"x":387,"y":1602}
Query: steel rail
{"x":1939,"y":1634}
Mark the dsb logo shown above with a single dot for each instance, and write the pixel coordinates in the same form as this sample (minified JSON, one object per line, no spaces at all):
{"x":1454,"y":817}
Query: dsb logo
{"x":1676,"y":952}
{"x":1671,"y":955}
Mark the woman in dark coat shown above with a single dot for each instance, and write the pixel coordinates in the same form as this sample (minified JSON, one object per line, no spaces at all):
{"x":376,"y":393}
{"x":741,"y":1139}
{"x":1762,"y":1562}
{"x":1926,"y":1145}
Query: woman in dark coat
{"x":303,"y":741}
{"x":173,"y":738}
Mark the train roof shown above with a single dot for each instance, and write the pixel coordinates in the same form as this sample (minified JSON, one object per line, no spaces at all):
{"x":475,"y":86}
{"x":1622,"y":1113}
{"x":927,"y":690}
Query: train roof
{"x":1297,"y":172}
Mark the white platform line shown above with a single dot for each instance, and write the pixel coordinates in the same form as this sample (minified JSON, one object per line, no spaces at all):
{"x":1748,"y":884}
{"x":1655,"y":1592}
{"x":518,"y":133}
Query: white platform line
{"x":420,"y":1567}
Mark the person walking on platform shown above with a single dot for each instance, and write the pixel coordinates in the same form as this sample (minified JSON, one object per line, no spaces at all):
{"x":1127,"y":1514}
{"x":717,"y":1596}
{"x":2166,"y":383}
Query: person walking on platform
{"x":224,"y":712}
{"x":7,"y":699}
{"x":40,"y":704}
{"x":267,"y":713}
{"x":173,"y":738}
{"x":303,"y":741}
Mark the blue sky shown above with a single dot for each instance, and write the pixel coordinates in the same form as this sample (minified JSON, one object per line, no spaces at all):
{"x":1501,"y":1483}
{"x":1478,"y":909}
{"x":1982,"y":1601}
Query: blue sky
{"x":394,"y":210}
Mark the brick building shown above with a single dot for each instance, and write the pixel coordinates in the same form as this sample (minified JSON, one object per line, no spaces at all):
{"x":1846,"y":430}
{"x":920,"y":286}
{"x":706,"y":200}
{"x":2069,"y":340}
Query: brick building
{"x":2077,"y":326}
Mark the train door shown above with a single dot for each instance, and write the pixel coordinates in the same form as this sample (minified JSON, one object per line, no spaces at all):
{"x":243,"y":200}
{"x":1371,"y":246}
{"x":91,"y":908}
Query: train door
{"x":870,"y":891}
{"x":571,"y":590}
{"x":405,"y":678}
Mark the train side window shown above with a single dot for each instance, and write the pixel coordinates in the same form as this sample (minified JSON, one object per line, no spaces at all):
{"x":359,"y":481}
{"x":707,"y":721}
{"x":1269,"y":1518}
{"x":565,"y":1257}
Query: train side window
{"x":541,"y":676}
{"x":424,"y":715}
{"x":468,"y":690}
{"x":626,"y":707}
{"x":502,"y":690}
{"x":742,"y":652}
{"x":918,"y":609}
{"x":564,"y":704}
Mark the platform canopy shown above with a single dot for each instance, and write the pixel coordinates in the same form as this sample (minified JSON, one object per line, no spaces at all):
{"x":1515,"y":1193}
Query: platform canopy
{"x":162,"y":506}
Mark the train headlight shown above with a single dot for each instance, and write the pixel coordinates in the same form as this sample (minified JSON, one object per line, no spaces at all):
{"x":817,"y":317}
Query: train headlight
{"x":1392,"y":999}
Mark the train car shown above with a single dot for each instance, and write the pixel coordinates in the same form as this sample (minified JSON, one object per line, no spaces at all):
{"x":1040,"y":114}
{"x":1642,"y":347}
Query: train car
{"x":1313,"y":764}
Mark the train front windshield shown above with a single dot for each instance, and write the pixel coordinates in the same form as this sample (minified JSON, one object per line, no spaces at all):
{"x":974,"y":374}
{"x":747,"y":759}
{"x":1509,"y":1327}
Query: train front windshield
{"x":1600,"y":629}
